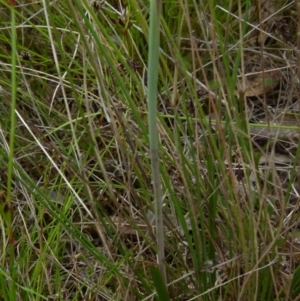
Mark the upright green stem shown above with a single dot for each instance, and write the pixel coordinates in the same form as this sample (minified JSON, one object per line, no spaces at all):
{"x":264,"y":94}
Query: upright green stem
{"x":153,"y":64}
{"x":8,"y":206}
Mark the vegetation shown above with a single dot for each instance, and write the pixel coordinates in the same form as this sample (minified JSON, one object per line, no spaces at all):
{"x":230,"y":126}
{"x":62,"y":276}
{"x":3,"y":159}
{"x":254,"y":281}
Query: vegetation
{"x":77,"y":197}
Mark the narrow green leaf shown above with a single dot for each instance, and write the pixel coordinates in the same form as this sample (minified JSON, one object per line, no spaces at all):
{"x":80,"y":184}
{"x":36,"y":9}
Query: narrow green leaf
{"x":295,"y":286}
{"x":161,"y":289}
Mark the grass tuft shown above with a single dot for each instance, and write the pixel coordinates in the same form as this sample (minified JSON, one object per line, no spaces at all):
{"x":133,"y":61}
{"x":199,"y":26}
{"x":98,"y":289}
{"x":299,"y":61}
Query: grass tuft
{"x":84,"y":86}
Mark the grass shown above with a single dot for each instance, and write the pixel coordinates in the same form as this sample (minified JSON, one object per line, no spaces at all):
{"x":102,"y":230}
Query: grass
{"x":78,"y":212}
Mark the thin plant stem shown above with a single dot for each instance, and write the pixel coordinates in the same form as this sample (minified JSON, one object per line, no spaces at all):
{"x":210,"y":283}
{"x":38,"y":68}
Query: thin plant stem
{"x":153,"y":63}
{"x":8,"y":206}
